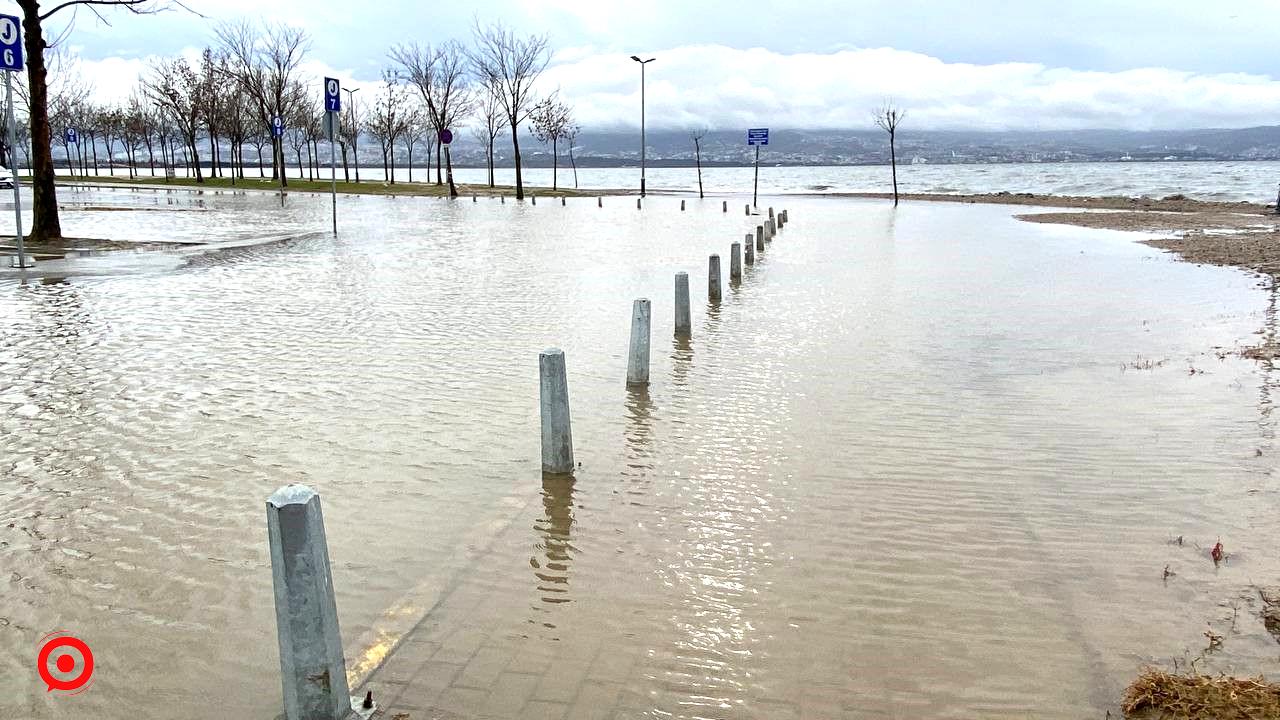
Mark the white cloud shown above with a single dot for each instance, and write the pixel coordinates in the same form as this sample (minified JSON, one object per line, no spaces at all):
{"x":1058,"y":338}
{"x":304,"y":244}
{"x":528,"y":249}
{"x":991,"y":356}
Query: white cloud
{"x":723,"y":87}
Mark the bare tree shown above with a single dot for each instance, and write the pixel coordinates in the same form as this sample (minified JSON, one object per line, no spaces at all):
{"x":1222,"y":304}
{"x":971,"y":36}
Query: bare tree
{"x":264,"y":63}
{"x":386,"y":120}
{"x":440,"y":75}
{"x":697,"y":137}
{"x":417,"y":127}
{"x":45,"y":223}
{"x":178,"y":90}
{"x":551,"y":121}
{"x":887,"y":118}
{"x":509,"y":64}
{"x":571,"y":136}
{"x":493,"y":121}
{"x":134,"y":130}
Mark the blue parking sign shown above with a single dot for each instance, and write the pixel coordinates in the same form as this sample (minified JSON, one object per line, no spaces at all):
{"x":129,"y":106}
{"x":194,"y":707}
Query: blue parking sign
{"x":332,"y":95}
{"x":277,"y":126}
{"x":10,"y":43}
{"x":72,"y":137}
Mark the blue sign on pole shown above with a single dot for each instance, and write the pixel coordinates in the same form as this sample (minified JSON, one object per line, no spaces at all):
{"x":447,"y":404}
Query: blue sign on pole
{"x":10,"y":43}
{"x":332,"y":95}
{"x":73,"y":137}
{"x":758,"y":136}
{"x":277,"y":126}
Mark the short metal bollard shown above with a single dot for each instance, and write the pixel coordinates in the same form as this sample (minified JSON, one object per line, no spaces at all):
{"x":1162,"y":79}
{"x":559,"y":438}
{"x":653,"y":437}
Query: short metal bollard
{"x":312,"y":668}
{"x":681,"y":206}
{"x":638,"y":354}
{"x":553,"y":391}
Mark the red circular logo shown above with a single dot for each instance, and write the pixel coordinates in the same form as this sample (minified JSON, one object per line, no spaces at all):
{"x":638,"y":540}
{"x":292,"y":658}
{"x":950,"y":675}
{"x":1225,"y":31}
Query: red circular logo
{"x":67,"y":648}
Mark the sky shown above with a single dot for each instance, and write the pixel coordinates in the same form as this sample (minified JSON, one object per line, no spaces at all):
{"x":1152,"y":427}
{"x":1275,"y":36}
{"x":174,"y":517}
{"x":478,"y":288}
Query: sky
{"x":952,"y":64}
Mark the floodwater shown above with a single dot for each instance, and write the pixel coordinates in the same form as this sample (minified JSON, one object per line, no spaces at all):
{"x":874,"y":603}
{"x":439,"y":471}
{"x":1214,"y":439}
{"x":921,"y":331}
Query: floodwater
{"x":915,"y":465}
{"x":1231,"y":181}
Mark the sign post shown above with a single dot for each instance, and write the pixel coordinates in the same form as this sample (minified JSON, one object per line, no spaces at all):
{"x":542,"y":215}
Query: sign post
{"x":757,"y":137}
{"x":445,"y":137}
{"x":332,"y":107}
{"x":277,"y":132}
{"x":11,"y":62}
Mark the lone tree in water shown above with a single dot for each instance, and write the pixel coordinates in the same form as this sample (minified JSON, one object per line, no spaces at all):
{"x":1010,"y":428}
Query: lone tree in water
{"x":45,"y":224}
{"x":697,"y":136}
{"x":551,"y":120}
{"x":509,"y":65}
{"x":888,"y":118}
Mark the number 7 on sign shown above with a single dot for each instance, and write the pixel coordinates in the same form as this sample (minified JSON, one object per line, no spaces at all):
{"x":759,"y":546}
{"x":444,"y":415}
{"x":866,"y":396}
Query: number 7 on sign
{"x":332,"y":95}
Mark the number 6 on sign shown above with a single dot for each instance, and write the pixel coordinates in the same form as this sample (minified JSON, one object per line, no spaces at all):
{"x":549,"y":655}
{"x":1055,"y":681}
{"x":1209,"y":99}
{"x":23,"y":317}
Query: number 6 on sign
{"x":332,"y":95}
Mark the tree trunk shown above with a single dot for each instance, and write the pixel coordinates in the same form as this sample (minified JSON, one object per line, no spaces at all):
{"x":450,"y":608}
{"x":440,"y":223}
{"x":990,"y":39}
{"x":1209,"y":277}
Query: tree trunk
{"x":45,"y":224}
{"x":515,"y":145}
{"x":410,"y":146}
{"x":491,"y":139}
{"x":448,"y":167}
{"x":574,"y":163}
{"x":697,"y":149}
{"x":93,"y":143}
{"x":438,"y":151}
{"x":346,"y":171}
{"x":555,"y":164}
{"x":893,"y":160}
{"x":195,"y":160}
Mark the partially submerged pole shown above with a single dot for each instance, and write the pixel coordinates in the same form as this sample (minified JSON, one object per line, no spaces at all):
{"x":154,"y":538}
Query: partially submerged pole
{"x":534,"y":198}
{"x":561,"y":201}
{"x":312,"y":669}
{"x":724,"y":207}
{"x":599,"y":202}
{"x":713,"y":279}
{"x":681,"y":206}
{"x":638,"y":354}
{"x":637,"y":203}
{"x":553,"y":393}
{"x":770,"y":213}
{"x":760,"y":238}
{"x":748,"y":213}
{"x":750,"y":248}
{"x":735,"y":263}
{"x":684,"y":323}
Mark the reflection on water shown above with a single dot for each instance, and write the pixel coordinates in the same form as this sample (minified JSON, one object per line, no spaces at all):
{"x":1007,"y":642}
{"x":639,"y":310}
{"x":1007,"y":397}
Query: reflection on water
{"x":555,"y":548}
{"x":897,"y":473}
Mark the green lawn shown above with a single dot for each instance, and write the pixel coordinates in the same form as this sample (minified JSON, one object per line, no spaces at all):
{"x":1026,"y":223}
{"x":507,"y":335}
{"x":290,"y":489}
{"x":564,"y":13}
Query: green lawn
{"x":323,"y":186}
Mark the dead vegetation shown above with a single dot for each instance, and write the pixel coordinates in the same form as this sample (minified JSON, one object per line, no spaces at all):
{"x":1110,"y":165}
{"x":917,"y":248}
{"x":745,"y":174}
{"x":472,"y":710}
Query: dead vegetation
{"x":1157,"y":694}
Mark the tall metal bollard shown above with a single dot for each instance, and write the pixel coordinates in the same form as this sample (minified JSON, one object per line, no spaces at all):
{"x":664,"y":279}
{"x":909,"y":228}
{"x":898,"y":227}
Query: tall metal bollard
{"x":681,"y":206}
{"x":553,"y":392}
{"x":713,"y":279}
{"x":724,"y":206}
{"x":684,"y":323}
{"x":312,"y":668}
{"x":760,"y":238}
{"x":735,"y":263}
{"x":750,"y":248}
{"x":638,"y":355}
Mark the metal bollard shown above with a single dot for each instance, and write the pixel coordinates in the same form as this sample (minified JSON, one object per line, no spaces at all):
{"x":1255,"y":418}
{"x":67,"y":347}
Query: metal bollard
{"x":599,"y":202}
{"x":561,"y":201}
{"x":312,"y":668}
{"x":681,"y":206}
{"x":553,"y":391}
{"x":637,"y":203}
{"x":713,"y":279}
{"x":638,"y":354}
{"x":748,"y":209}
{"x":724,"y":207}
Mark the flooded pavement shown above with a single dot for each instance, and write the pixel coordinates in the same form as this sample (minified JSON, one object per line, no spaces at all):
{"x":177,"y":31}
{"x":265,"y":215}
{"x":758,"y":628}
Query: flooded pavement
{"x":926,"y":463}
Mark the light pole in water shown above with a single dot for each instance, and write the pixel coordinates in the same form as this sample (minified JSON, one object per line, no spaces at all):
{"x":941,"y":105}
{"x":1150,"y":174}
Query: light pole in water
{"x":355,"y":131}
{"x":642,"y":143}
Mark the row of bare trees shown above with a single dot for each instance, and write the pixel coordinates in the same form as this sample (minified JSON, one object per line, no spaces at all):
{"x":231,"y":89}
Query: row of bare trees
{"x":252,"y":73}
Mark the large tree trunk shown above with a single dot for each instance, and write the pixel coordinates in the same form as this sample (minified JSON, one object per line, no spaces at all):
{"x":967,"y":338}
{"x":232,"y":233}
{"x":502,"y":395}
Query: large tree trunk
{"x":410,"y":146}
{"x":93,"y":143}
{"x":213,"y":155}
{"x":574,"y":163}
{"x":438,"y":181}
{"x":515,"y":146}
{"x":195,"y":161}
{"x":45,"y":224}
{"x":697,"y":148}
{"x":346,"y":171}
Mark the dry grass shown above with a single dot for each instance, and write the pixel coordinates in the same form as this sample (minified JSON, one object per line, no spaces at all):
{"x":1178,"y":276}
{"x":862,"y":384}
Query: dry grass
{"x":1160,"y":695}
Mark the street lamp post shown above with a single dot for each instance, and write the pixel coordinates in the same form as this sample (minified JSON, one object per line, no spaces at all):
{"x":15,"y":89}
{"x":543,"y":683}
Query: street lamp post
{"x":642,"y":141}
{"x":355,"y":131}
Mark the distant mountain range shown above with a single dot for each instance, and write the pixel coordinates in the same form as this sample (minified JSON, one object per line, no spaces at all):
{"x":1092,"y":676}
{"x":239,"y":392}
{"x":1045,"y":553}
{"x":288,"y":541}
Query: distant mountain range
{"x":866,"y":147}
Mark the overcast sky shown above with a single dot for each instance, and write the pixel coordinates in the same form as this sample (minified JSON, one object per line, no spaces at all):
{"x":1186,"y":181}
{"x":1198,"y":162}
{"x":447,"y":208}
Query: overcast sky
{"x":954,"y":64}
